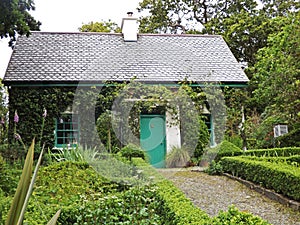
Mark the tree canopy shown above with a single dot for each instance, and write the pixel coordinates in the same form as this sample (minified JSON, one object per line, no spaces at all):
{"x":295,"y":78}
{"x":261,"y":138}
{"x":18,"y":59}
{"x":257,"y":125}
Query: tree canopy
{"x":15,"y":19}
{"x":103,"y":26}
{"x":277,"y":72}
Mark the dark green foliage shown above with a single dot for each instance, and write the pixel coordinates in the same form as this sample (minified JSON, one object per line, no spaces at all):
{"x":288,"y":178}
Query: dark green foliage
{"x":12,"y":152}
{"x":225,"y":148}
{"x":282,"y":177}
{"x":203,"y":137}
{"x":289,"y":151}
{"x":9,"y":177}
{"x":291,"y":160}
{"x":30,"y":103}
{"x":175,"y":208}
{"x":215,"y":168}
{"x":131,"y":150}
{"x":135,"y":206}
{"x":234,"y":216}
{"x":288,"y":140}
{"x":16,"y":19}
{"x":65,"y":185}
{"x":106,"y":132}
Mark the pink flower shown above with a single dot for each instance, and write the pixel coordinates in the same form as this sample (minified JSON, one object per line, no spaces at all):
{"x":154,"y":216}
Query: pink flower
{"x":2,"y":121}
{"x":16,"y":117}
{"x":45,"y":113}
{"x":17,"y":136}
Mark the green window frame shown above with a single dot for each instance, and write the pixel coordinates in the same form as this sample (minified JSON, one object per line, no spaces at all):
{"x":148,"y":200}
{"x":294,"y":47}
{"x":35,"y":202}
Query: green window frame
{"x":208,"y":119}
{"x":67,"y":130}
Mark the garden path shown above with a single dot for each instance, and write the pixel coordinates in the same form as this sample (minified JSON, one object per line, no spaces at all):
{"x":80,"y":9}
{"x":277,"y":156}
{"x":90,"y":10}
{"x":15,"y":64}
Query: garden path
{"x":215,"y":193}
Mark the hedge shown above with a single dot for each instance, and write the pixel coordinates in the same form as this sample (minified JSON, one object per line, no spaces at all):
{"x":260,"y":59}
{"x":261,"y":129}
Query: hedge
{"x":289,"y":151}
{"x":177,"y":209}
{"x":225,"y":148}
{"x":281,"y":177}
{"x":292,"y":160}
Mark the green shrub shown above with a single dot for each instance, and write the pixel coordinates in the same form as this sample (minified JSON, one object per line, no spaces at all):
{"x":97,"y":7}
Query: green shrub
{"x":12,"y":152}
{"x":9,"y":177}
{"x":289,"y":151}
{"x":106,"y":132}
{"x":215,"y":168}
{"x":289,"y":140}
{"x":291,"y":160}
{"x":234,"y":216}
{"x":281,"y":177}
{"x":137,"y":205}
{"x":64,"y":185}
{"x":131,"y":150}
{"x":225,"y":148}
{"x":178,"y":157}
{"x":175,"y":208}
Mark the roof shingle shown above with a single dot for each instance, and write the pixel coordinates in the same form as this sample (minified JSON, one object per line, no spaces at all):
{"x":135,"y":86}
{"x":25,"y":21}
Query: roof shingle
{"x":98,"y":57}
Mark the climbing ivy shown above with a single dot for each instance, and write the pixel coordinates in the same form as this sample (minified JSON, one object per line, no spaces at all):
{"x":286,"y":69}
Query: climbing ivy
{"x":116,"y":106}
{"x":30,"y":103}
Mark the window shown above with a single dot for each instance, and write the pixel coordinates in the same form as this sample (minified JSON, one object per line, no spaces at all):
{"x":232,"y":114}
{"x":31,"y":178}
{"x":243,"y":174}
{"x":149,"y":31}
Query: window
{"x":67,"y":130}
{"x":210,"y":125}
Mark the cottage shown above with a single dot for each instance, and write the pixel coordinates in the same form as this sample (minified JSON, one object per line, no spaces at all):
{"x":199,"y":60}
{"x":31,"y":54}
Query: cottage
{"x":46,"y":67}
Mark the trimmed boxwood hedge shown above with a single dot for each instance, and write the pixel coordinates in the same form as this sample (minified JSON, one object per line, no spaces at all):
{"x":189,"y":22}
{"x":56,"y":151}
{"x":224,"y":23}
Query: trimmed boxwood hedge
{"x":292,"y":160}
{"x":289,"y":151}
{"x":177,"y":209}
{"x":86,"y":197}
{"x":279,"y":176}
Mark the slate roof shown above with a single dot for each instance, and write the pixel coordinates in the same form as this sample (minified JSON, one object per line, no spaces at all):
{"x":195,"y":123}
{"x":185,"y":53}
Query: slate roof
{"x":98,"y":57}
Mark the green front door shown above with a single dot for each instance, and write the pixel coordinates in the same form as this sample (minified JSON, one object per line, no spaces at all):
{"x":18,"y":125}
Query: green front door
{"x":153,"y":138}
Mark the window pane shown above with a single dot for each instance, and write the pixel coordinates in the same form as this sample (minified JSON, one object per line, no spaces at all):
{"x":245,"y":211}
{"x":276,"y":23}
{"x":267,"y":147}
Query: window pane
{"x":67,"y":130}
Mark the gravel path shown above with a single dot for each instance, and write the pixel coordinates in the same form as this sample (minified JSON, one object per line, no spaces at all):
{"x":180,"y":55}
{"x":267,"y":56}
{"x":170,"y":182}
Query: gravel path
{"x":215,"y":193}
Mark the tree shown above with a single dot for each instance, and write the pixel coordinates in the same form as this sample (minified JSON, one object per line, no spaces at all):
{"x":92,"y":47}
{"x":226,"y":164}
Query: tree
{"x":277,"y":81}
{"x":185,"y":15}
{"x":103,"y":26}
{"x":15,"y":19}
{"x":276,"y":8}
{"x":277,"y":71}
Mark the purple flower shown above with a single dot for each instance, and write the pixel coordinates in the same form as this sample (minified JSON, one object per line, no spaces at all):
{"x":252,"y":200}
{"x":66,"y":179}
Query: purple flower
{"x":2,"y":121}
{"x":16,"y":117}
{"x":17,"y":136}
{"x":45,"y":113}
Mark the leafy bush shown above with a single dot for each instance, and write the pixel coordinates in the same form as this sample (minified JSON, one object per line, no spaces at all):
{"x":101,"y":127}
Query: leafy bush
{"x":9,"y":177}
{"x":63,"y":185}
{"x":106,"y":132}
{"x":175,"y":208}
{"x":234,"y":216}
{"x":215,"y":168}
{"x":281,"y":177}
{"x":288,"y":140}
{"x":292,"y":160}
{"x":178,"y":157}
{"x":137,"y":205}
{"x":225,"y":148}
{"x":12,"y":152}
{"x":131,"y":150}
{"x":289,"y":151}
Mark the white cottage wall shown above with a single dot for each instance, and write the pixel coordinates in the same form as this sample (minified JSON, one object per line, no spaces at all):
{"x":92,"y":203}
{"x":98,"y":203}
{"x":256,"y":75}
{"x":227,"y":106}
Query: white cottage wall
{"x":173,"y":138}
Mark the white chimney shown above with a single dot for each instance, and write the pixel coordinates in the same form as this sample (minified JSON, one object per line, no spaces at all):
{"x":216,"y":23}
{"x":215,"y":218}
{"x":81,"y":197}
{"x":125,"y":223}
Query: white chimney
{"x":129,"y":28}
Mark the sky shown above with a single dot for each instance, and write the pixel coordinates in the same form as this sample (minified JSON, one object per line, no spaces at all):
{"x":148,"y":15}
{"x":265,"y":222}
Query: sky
{"x":69,"y":15}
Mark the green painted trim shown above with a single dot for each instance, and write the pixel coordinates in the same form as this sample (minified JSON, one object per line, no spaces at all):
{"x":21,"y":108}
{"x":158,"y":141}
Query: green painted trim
{"x":241,"y":85}
{"x":66,"y":130}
